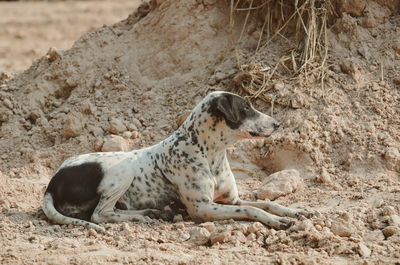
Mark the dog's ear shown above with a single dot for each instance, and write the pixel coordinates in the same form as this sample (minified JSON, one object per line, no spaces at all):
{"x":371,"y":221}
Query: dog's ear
{"x":225,"y":105}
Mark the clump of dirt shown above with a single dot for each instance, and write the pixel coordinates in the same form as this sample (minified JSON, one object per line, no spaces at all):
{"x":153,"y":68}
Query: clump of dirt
{"x":125,"y":86}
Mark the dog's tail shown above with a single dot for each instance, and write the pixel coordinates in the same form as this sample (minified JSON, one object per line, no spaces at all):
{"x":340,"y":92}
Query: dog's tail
{"x":51,"y":212}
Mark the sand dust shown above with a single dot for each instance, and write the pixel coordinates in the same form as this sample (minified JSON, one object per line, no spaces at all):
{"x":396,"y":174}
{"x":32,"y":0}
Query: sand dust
{"x":130,"y":82}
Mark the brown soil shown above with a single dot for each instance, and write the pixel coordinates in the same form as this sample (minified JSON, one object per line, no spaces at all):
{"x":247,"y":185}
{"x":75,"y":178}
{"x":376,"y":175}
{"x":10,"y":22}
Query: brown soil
{"x":137,"y":77}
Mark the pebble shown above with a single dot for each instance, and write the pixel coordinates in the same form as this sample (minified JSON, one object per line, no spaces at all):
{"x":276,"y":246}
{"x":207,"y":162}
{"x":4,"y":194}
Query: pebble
{"x":116,"y":126}
{"x":210,"y":226}
{"x":254,"y":227}
{"x":127,"y":134}
{"x":180,"y":225}
{"x":305,"y":225}
{"x":115,"y":143}
{"x":394,"y":220}
{"x":390,"y":231}
{"x":280,"y":184}
{"x":92,"y":232}
{"x":220,"y":237}
{"x":178,"y":218}
{"x":73,"y":125}
{"x":363,"y":250}
{"x":7,"y":103}
{"x":251,"y":237}
{"x":342,"y":229}
{"x":199,"y":236}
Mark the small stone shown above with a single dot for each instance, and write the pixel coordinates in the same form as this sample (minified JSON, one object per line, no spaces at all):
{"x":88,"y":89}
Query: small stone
{"x":73,"y":125}
{"x":210,"y":226}
{"x":127,"y":134}
{"x":178,"y":218}
{"x":239,"y":236}
{"x":251,"y":237}
{"x":280,"y":184}
{"x":394,"y":220}
{"x":180,"y":225}
{"x":7,"y":103}
{"x":254,"y":227}
{"x":256,"y":34}
{"x":116,"y":126}
{"x":92,"y":232}
{"x":87,"y":107}
{"x":342,"y":229}
{"x":220,"y":237}
{"x":199,"y":236}
{"x":115,"y":143}
{"x":388,"y":210}
{"x":374,"y":235}
{"x":304,"y":225}
{"x":390,"y":231}
{"x":363,"y":250}
{"x":135,"y":135}
{"x":324,"y":177}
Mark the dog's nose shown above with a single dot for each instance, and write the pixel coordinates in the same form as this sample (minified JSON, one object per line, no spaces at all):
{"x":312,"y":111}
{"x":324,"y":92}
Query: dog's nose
{"x":276,"y":125}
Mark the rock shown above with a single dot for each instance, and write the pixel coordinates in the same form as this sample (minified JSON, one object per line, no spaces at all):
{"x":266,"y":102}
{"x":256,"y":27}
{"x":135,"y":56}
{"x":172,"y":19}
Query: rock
{"x":375,"y":15}
{"x":87,"y":107}
{"x":388,"y":211}
{"x":135,"y":135}
{"x":251,"y":237}
{"x":210,"y":226}
{"x":394,"y":220}
{"x":199,"y":236}
{"x":127,"y":134}
{"x":375,"y":235}
{"x":7,"y":103}
{"x":238,"y":236}
{"x":363,"y":250}
{"x":354,"y":8}
{"x":73,"y":125}
{"x":324,"y":177}
{"x":220,"y":237}
{"x":342,"y":229}
{"x":116,"y":126}
{"x":305,"y":225}
{"x":279,"y":184}
{"x":392,"y":157}
{"x":255,"y":227}
{"x":390,"y":231}
{"x":178,"y":218}
{"x":115,"y":143}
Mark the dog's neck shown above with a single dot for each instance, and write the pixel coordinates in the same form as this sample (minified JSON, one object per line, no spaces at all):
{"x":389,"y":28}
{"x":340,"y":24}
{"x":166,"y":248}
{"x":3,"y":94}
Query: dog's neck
{"x":210,"y":135}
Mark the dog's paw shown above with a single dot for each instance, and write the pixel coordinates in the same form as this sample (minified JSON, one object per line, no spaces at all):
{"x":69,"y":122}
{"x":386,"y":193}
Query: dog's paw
{"x":153,"y":213}
{"x":304,"y":213}
{"x":285,"y":223}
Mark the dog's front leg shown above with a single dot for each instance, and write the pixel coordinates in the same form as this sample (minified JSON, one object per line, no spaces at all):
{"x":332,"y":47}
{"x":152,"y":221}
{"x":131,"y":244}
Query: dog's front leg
{"x":213,"y":211}
{"x":276,"y":208}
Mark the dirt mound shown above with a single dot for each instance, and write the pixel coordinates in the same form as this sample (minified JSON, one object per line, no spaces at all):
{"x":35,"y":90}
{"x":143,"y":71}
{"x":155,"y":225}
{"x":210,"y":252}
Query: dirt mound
{"x":127,"y":84}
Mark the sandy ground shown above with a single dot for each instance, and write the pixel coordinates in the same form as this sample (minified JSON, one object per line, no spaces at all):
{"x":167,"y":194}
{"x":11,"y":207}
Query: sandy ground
{"x":29,"y":29}
{"x":126,"y":86}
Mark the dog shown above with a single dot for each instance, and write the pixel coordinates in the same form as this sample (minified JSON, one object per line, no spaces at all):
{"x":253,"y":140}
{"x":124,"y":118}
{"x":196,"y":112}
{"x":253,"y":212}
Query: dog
{"x":188,"y":170}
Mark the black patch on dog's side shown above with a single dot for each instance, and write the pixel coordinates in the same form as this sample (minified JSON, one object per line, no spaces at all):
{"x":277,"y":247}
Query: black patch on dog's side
{"x":76,"y":186}
{"x":232,"y":108}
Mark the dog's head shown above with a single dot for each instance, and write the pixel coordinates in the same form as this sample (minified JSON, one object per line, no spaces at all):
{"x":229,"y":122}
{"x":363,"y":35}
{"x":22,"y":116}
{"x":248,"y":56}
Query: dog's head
{"x":240,"y":116}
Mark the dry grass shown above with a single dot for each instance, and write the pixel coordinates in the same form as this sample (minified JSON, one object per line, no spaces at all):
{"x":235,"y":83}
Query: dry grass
{"x":306,"y":20}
